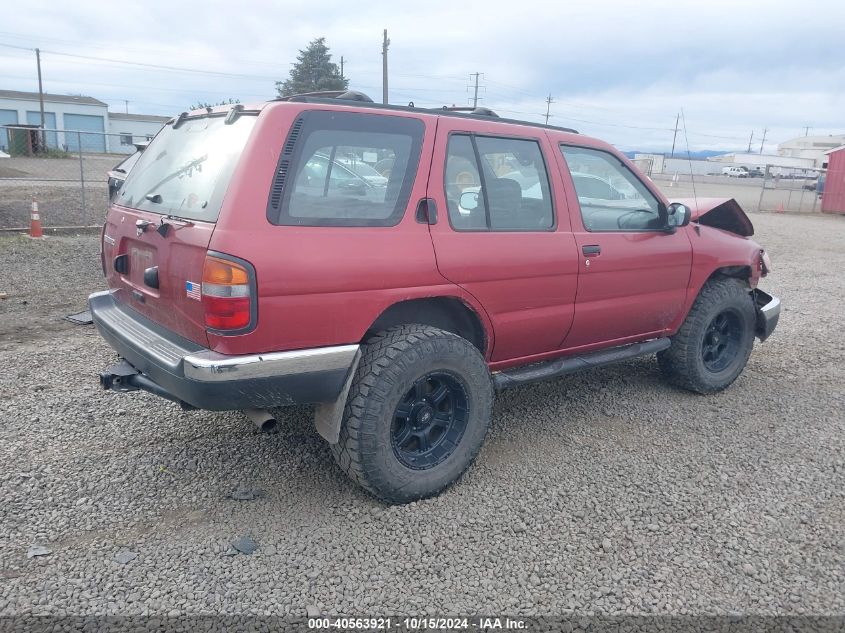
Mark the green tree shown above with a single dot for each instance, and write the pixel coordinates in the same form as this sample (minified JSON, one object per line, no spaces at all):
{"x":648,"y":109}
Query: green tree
{"x":313,"y":71}
{"x":199,"y":105}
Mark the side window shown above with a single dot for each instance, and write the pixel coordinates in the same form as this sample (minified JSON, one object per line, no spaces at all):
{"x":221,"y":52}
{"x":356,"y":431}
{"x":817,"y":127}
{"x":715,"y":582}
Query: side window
{"x":611,"y":197}
{"x":497,"y":184}
{"x":346,"y":169}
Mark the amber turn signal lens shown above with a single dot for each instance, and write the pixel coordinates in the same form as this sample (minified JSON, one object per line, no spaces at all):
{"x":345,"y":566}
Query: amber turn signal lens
{"x":225,"y":273}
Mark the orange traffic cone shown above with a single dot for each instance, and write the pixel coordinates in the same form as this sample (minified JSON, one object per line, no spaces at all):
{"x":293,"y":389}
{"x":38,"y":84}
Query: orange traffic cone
{"x":35,"y":220}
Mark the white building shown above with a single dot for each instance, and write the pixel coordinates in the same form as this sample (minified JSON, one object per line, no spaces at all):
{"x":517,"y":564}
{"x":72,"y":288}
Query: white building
{"x":61,"y":112}
{"x":126,"y":129}
{"x":811,"y":147}
{"x":661,"y":164}
{"x":761,"y":160}
{"x":74,"y":121}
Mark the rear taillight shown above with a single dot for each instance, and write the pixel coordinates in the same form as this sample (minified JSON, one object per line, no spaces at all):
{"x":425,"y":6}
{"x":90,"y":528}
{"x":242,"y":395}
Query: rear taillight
{"x":227,"y":294}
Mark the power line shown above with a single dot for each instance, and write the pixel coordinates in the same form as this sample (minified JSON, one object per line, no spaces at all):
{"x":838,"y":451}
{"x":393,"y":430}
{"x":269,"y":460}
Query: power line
{"x":549,"y":102}
{"x":145,"y":50}
{"x":151,"y":66}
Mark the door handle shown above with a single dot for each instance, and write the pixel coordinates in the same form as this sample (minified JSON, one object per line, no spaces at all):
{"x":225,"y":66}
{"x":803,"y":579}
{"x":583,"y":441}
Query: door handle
{"x":591,"y":249}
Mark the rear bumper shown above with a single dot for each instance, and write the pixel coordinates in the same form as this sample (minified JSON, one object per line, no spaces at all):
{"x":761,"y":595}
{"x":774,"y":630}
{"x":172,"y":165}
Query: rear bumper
{"x":768,"y":313}
{"x":201,"y":378}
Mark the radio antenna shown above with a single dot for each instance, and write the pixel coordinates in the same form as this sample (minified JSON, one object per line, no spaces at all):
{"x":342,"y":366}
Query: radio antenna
{"x":689,"y":158}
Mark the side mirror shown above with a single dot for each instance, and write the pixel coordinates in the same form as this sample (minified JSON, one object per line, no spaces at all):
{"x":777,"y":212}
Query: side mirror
{"x":678,"y":215}
{"x":469,"y":200}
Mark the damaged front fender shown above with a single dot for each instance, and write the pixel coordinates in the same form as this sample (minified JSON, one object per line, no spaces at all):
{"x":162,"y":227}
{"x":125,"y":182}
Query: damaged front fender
{"x":720,"y":213}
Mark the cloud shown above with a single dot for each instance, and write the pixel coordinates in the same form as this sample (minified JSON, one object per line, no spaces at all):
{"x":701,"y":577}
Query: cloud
{"x":616,"y":69}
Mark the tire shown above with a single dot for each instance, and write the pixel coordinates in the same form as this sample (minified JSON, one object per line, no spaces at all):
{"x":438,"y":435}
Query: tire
{"x":722,"y":318}
{"x":397,"y":400}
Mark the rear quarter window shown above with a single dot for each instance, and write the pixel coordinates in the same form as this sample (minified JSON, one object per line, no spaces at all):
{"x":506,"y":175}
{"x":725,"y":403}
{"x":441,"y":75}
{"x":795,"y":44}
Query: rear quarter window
{"x":346,"y":169}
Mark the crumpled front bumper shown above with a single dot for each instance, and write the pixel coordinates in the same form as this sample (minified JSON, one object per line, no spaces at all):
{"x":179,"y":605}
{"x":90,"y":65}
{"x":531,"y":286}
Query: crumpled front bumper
{"x":160,"y":362}
{"x":768,"y":313}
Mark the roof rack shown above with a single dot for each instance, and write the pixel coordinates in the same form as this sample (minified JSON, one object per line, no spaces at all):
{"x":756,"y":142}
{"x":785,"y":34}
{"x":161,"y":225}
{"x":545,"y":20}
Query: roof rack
{"x":328,"y":96}
{"x":479,"y":110}
{"x":350,"y":95}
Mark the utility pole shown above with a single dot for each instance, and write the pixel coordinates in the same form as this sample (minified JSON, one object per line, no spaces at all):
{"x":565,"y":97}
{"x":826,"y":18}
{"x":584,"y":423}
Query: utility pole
{"x":384,"y":46}
{"x":549,"y":102}
{"x":341,"y":66}
{"x":751,"y":138}
{"x":126,"y":101}
{"x":41,"y":100}
{"x":763,"y":142}
{"x":475,"y":94}
{"x":675,"y":135}
{"x":807,"y":130}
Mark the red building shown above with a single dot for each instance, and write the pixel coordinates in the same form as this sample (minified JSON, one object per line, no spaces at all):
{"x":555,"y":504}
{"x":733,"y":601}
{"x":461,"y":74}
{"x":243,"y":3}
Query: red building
{"x":833,"y":197}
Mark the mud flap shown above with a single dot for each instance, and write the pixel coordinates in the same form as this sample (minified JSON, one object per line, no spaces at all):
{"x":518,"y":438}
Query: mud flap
{"x":328,"y":416}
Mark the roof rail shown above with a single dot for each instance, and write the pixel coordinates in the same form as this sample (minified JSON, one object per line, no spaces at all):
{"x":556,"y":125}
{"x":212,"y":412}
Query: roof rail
{"x":479,"y":110}
{"x":327,"y":96}
{"x":349,"y":95}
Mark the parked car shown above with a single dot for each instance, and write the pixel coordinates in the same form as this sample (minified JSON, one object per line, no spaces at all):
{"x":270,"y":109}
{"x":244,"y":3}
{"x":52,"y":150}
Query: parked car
{"x":756,"y":172}
{"x":242,"y":276}
{"x":117,"y":174}
{"x":735,"y":172}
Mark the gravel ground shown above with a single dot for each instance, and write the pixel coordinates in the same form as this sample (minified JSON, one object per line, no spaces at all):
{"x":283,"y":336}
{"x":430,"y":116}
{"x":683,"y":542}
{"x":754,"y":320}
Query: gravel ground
{"x":59,"y":203}
{"x":607,"y":492}
{"x":57,"y":184}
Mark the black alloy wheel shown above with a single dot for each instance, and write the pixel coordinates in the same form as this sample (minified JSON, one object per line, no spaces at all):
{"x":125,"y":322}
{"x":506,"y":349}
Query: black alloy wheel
{"x":429,"y":421}
{"x":722,"y":340}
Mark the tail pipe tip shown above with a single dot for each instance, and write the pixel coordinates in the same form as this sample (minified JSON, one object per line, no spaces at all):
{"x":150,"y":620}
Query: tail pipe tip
{"x":263,"y":420}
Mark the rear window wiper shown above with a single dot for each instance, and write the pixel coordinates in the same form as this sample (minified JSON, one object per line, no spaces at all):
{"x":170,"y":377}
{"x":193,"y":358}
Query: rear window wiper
{"x":164,"y":225}
{"x":176,"y":218}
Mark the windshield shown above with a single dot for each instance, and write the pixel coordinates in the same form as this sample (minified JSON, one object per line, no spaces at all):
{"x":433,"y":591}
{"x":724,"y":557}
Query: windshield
{"x":185,"y":172}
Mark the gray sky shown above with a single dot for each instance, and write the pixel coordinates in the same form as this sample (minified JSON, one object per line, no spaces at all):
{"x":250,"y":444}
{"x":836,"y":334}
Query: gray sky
{"x":617,"y":69}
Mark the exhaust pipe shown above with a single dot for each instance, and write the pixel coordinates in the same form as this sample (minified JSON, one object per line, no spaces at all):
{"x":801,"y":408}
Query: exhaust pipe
{"x":262,"y":419}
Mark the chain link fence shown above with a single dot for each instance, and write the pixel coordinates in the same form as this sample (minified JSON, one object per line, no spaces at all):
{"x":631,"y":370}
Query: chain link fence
{"x":773,"y":189}
{"x":794,"y":190}
{"x":64,"y":170}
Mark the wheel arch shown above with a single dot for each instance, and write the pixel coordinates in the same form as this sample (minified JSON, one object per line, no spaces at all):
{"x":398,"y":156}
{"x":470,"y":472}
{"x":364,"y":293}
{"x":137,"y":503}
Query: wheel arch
{"x":743,"y":272}
{"x":739,"y":271}
{"x":447,"y":313}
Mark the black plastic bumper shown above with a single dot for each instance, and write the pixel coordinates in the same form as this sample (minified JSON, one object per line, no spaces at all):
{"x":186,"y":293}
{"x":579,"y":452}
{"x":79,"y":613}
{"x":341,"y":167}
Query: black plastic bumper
{"x":768,"y":314}
{"x":178,"y":369}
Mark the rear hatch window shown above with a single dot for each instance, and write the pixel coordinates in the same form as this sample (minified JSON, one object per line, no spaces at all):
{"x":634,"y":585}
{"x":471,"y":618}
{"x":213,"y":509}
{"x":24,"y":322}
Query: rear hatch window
{"x":185,"y":171}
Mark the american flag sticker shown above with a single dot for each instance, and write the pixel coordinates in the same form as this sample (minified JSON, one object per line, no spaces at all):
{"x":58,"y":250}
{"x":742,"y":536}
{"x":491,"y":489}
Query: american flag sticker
{"x":193,"y":290}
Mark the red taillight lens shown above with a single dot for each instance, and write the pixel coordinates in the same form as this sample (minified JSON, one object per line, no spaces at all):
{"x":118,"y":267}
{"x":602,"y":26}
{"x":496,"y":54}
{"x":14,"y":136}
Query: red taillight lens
{"x":226,"y":294}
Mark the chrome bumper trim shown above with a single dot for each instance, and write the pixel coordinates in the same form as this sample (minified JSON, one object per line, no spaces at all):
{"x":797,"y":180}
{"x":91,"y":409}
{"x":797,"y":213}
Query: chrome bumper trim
{"x":204,"y":365}
{"x":213,"y":367}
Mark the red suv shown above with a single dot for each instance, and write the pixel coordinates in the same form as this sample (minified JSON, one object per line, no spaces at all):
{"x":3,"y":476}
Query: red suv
{"x":396,"y":265}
